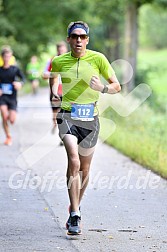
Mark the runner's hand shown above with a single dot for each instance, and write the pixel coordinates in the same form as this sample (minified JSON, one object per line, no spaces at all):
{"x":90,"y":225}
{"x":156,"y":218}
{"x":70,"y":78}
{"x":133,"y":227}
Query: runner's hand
{"x":46,"y":75}
{"x":17,"y":85}
{"x":54,"y":97}
{"x":0,"y":92}
{"x":95,"y":83}
{"x":55,"y":100}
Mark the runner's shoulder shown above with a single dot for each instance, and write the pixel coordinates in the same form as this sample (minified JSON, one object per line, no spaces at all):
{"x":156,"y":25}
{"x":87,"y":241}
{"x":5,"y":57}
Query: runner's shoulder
{"x":98,"y":58}
{"x":95,"y":53}
{"x":61,"y":57}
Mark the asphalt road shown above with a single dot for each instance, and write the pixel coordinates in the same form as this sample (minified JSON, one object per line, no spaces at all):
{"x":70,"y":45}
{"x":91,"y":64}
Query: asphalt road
{"x":124,"y":207}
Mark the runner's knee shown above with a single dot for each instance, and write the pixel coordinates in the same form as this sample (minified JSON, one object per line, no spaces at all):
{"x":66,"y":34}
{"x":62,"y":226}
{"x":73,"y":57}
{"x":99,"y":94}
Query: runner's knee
{"x":74,"y":165}
{"x":4,"y":117}
{"x":12,"y":120}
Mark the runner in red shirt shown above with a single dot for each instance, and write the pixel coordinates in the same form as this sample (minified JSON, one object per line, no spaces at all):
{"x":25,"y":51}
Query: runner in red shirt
{"x":55,"y":104}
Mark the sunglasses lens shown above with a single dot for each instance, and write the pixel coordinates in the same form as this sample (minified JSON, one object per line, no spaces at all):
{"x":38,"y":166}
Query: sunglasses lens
{"x":76,"y":36}
{"x":83,"y":36}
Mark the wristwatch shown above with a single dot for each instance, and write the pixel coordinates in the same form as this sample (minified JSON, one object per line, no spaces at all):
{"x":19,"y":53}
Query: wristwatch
{"x":105,"y":90}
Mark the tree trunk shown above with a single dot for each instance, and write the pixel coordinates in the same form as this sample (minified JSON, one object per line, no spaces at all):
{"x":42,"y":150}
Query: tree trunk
{"x":131,"y":42}
{"x":113,"y":48}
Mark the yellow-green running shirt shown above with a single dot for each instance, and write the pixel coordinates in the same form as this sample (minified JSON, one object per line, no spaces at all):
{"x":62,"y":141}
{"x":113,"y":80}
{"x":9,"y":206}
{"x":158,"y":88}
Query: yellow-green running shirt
{"x":76,"y":74}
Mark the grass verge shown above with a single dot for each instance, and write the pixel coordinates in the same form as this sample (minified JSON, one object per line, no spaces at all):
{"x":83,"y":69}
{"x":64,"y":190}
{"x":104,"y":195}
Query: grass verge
{"x":142,"y":136}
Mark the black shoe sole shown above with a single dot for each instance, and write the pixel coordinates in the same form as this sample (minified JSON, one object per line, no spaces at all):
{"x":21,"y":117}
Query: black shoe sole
{"x":74,"y":233}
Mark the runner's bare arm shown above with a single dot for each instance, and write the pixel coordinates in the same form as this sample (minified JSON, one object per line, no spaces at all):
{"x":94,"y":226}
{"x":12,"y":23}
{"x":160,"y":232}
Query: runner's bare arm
{"x":54,"y":82}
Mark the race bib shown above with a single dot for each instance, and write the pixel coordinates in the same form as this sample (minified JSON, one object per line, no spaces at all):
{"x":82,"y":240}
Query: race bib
{"x":7,"y":88}
{"x":83,"y":112}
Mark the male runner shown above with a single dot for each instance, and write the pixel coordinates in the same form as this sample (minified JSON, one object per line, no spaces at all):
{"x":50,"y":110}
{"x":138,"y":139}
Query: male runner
{"x":78,"y":122}
{"x":8,"y":92}
{"x":55,"y":104}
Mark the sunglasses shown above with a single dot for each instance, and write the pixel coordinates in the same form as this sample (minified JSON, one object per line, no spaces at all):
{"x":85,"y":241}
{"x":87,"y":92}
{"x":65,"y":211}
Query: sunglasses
{"x":76,"y":36}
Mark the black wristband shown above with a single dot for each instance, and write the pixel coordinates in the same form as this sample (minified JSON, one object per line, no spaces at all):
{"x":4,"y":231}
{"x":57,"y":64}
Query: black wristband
{"x":105,"y":90}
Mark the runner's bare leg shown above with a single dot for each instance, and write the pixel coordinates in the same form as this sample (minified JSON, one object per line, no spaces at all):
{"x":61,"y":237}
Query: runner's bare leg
{"x":73,"y":177}
{"x":85,"y":162}
{"x":5,"y":115}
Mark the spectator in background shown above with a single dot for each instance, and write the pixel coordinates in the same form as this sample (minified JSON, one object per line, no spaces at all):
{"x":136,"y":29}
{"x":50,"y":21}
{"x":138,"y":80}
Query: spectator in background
{"x":33,"y":73}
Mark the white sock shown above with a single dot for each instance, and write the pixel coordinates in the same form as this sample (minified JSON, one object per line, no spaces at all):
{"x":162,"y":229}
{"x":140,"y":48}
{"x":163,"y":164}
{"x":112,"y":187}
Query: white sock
{"x":76,"y":213}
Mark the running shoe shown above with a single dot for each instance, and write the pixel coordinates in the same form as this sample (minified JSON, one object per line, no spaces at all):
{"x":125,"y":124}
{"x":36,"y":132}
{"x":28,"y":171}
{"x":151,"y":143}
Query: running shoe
{"x":69,"y":218}
{"x":8,"y":141}
{"x":75,"y":226}
{"x":68,"y":222}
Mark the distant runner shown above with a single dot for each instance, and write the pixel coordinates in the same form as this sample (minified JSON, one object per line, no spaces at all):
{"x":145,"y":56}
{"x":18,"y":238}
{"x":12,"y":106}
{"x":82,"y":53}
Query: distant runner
{"x":9,"y":85}
{"x":33,"y":73}
{"x":55,"y":103}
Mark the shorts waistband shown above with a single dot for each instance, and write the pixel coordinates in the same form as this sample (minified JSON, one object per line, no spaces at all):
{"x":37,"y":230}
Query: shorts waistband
{"x":69,"y":112}
{"x":63,"y":110}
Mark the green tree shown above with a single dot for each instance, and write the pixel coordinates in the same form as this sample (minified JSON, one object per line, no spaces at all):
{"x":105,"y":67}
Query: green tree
{"x":110,"y":27}
{"x":131,"y":34}
{"x":33,"y":24}
{"x":153,"y":32}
